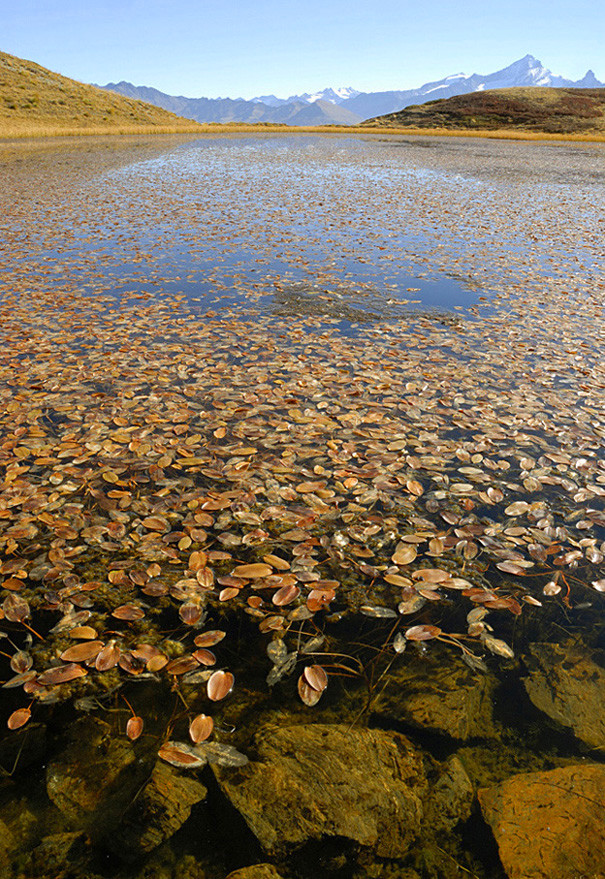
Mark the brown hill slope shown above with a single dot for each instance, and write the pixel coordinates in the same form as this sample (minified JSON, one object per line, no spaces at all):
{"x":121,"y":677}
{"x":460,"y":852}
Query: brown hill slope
{"x":35,"y":101}
{"x":531,"y":109}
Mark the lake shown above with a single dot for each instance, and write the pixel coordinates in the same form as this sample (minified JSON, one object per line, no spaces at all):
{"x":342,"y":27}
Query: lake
{"x":301,"y":512}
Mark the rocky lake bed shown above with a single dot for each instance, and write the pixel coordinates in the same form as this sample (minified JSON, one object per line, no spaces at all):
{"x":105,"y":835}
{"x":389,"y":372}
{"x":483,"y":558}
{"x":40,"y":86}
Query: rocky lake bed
{"x":301,"y":508}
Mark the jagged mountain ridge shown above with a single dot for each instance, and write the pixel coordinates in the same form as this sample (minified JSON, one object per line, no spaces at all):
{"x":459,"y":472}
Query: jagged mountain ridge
{"x":346,"y":106}
{"x":224,"y":110}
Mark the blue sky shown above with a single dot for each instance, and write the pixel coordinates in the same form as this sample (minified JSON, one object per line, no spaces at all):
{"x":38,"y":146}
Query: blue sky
{"x":245,"y":48}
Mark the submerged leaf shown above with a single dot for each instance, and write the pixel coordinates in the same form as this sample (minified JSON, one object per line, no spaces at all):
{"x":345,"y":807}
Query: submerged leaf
{"x":21,"y":661}
{"x":495,"y":645}
{"x":422,"y":633}
{"x":284,"y":668}
{"x":221,"y":754}
{"x":371,"y":610}
{"x":181,"y":754}
{"x":399,"y":643}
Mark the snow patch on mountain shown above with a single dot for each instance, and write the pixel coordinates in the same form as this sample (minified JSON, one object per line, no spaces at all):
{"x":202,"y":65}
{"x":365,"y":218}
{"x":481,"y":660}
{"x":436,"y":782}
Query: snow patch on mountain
{"x":346,"y":105}
{"x":333,"y":96}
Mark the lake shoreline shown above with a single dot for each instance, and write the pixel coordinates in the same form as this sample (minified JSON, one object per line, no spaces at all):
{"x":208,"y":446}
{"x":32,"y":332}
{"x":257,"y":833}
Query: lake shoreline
{"x":62,"y":133}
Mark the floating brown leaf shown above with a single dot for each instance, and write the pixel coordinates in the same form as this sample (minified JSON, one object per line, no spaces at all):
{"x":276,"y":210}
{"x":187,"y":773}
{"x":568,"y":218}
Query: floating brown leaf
{"x":204,"y":656}
{"x":108,"y":657}
{"x":134,"y":727}
{"x":404,"y":555}
{"x":209,"y":638}
{"x":61,"y":674}
{"x":181,"y":665}
{"x":128,"y":612}
{"x":156,"y":523}
{"x":82,"y":652}
{"x":307,"y":693}
{"x":253,"y":571}
{"x":201,"y":728}
{"x":19,"y":718}
{"x":86,"y":633}
{"x":316,"y":677}
{"x":285,"y":595}
{"x":220,"y":685}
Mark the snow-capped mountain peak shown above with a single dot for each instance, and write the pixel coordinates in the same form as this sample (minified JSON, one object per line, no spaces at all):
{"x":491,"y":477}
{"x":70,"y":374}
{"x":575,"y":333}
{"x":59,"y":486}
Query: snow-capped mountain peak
{"x":527,"y":71}
{"x":333,"y":96}
{"x":348,"y":106}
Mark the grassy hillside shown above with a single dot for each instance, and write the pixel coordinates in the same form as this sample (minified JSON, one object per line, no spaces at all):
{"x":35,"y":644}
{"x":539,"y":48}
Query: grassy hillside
{"x":35,"y":101}
{"x":533,"y":109}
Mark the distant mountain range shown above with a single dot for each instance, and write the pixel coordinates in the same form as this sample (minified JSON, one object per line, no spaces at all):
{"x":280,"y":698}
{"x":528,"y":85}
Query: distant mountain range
{"x":347,"y":106}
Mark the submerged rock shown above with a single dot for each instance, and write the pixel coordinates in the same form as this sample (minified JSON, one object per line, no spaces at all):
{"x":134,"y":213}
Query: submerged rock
{"x":93,"y":778}
{"x":157,"y":813}
{"x":440,"y":697}
{"x":452,"y":796}
{"x":6,"y":844}
{"x":257,"y":871}
{"x":569,"y":686}
{"x":316,"y":782}
{"x":320,"y":781}
{"x":56,"y":852}
{"x":549,"y":824}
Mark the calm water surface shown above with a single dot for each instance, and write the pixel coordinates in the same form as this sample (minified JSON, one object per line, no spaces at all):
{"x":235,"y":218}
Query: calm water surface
{"x":371,"y":368}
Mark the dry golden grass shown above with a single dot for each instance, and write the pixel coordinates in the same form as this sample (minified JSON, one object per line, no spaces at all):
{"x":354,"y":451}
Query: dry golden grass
{"x":503,"y":134}
{"x":35,"y":102}
{"x":33,"y":130}
{"x":41,"y":130}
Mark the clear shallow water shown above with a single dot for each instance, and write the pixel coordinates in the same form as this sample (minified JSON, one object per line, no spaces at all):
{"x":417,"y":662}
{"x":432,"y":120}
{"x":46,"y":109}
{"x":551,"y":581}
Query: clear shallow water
{"x":265,"y":222}
{"x":373,"y":211}
{"x":274,"y":351}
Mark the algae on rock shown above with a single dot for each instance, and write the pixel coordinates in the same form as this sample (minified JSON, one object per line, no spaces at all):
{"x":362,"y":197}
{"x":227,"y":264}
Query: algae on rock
{"x":370,"y":787}
{"x":447,"y":698}
{"x":568,"y":685}
{"x":549,"y":824}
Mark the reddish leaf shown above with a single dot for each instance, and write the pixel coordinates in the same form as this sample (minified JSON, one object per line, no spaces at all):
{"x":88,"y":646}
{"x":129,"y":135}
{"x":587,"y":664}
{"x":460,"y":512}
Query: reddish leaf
{"x":220,"y":685}
{"x":19,"y":718}
{"x":201,"y":728}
